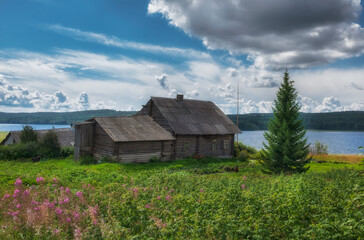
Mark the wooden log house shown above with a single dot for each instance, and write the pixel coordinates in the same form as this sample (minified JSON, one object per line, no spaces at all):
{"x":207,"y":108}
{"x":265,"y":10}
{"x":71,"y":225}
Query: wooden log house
{"x":200,"y":127}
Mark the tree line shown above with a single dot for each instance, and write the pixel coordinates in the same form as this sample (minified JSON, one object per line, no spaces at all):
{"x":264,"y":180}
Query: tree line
{"x":335,"y":121}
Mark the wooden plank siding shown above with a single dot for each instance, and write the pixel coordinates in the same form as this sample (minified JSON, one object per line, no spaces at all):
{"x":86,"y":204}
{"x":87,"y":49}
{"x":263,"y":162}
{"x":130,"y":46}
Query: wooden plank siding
{"x":202,"y":145}
{"x":138,"y":152}
{"x":103,"y":145}
{"x":153,"y":111}
{"x":83,"y":139}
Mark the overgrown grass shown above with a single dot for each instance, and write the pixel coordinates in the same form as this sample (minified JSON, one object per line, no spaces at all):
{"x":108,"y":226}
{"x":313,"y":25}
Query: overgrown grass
{"x":3,"y":135}
{"x":332,"y":158}
{"x":194,"y":199}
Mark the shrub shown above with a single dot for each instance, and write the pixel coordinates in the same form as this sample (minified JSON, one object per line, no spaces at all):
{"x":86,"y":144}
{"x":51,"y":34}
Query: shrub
{"x":49,"y":145}
{"x":28,"y":135}
{"x":243,"y":147}
{"x":108,"y":159}
{"x":319,"y":148}
{"x":66,"y":151}
{"x":18,"y":151}
{"x":87,"y":160}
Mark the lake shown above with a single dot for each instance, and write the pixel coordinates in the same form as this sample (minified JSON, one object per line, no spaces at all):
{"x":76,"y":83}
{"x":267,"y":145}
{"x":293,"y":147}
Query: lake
{"x":17,"y":127}
{"x":337,"y":142}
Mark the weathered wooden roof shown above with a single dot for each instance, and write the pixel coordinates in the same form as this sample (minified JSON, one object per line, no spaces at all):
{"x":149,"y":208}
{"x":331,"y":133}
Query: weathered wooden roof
{"x":133,"y":129}
{"x":195,"y":117}
{"x":66,"y":137}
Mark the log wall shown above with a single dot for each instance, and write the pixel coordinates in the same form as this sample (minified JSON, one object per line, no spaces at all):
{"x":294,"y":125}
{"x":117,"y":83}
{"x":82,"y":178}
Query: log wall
{"x":188,"y":146}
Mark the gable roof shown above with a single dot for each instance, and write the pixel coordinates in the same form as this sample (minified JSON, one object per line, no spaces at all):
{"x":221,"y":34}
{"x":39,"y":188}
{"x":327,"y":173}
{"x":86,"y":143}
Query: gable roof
{"x":133,"y":129}
{"x":66,"y":137}
{"x":195,"y":117}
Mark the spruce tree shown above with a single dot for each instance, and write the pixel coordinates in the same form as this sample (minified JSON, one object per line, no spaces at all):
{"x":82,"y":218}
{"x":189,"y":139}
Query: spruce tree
{"x":287,"y":148}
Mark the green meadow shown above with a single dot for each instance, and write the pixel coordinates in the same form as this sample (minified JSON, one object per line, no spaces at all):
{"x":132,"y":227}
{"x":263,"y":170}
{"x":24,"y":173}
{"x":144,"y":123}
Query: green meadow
{"x":194,"y":199}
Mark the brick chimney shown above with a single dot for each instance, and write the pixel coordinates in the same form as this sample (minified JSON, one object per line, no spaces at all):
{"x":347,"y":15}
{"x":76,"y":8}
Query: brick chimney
{"x":179,"y":98}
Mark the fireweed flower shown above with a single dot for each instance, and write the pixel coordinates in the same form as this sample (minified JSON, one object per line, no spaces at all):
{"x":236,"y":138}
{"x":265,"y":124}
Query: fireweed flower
{"x":56,"y":231}
{"x":16,"y":193}
{"x":26,"y":192}
{"x":79,"y":194}
{"x":66,"y":200}
{"x":158,"y":197}
{"x":15,"y":213}
{"x":244,"y":177}
{"x":168,"y":197}
{"x":62,"y":188}
{"x":18,"y":206}
{"x":243,"y":186}
{"x":67,"y":190}
{"x":76,"y":215}
{"x":135,"y":189}
{"x":40,"y":179}
{"x":68,"y":219}
{"x":18,"y":182}
{"x":147,"y":206}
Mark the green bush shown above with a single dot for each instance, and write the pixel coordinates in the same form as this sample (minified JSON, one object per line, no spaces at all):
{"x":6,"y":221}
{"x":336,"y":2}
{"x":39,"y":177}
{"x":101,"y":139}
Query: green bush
{"x":66,"y":151}
{"x":28,"y":135}
{"x":87,"y":160}
{"x":18,"y":151}
{"x":108,"y":159}
{"x":49,"y":145}
{"x":319,"y":148}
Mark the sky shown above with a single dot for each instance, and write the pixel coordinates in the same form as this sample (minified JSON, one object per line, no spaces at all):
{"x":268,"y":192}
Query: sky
{"x":114,"y":54}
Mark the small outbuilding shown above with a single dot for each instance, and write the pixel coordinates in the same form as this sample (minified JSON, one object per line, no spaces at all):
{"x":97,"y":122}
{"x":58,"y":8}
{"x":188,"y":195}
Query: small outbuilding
{"x":127,"y":139}
{"x":66,"y":136}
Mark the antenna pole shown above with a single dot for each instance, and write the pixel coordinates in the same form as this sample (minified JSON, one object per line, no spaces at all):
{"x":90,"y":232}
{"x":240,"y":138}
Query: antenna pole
{"x":237,"y":121}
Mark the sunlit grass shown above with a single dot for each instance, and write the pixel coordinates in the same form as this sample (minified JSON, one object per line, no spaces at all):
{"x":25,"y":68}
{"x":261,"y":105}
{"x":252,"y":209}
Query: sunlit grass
{"x":331,"y":158}
{"x":3,"y":135}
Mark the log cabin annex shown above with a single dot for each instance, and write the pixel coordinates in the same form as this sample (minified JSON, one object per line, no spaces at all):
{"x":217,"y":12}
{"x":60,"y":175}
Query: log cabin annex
{"x":164,"y":128}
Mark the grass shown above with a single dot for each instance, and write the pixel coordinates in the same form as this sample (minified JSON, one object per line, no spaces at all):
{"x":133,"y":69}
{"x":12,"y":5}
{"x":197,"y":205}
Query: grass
{"x":3,"y":135}
{"x":195,"y":199}
{"x":333,"y":158}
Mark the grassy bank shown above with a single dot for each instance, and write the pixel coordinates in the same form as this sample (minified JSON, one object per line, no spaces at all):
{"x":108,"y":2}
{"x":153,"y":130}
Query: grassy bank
{"x":197,"y":199}
{"x":3,"y":135}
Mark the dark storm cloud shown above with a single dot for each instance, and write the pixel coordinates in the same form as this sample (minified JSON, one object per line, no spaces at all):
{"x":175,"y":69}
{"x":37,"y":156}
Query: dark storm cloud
{"x":295,"y":32}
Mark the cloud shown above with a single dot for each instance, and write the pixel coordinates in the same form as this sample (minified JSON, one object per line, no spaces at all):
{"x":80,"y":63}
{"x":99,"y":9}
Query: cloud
{"x":162,"y":80}
{"x":356,"y":86}
{"x":18,"y":97}
{"x":275,"y":34}
{"x":113,"y":41}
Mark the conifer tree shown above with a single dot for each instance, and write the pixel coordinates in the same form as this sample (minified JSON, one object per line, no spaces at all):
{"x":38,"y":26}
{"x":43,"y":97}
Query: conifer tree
{"x":28,"y":135}
{"x":287,"y":148}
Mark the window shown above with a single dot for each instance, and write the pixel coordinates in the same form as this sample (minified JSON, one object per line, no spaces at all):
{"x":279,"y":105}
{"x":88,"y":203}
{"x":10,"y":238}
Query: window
{"x":186,"y":146}
{"x":213,"y":147}
{"x":226,"y":144}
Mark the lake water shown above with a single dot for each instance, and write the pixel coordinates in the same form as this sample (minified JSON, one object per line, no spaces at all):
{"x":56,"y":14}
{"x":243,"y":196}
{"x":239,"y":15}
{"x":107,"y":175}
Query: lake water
{"x":337,"y":142}
{"x":17,"y":127}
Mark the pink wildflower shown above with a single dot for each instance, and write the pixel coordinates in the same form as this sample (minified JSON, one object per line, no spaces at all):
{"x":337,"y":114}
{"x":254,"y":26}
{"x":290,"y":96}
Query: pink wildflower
{"x":94,"y":222}
{"x":244,"y":177}
{"x":151,"y":188}
{"x":67,"y":190}
{"x":26,"y":192}
{"x":201,"y":190}
{"x":168,"y":197}
{"x":62,"y":188}
{"x":147,"y":206}
{"x":15,"y":213}
{"x":16,"y":193}
{"x":158,"y":197}
{"x":135,"y":190}
{"x":79,"y":194}
{"x":66,"y":200}
{"x":40,"y":179}
{"x":68,"y":219}
{"x":166,"y":188}
{"x":243,"y":186}
{"x":18,"y":182}
{"x":55,"y":180}
{"x":76,"y":215}
{"x":18,"y":206}
{"x":172,"y":190}
{"x":58,"y":211}
{"x":56,"y":231}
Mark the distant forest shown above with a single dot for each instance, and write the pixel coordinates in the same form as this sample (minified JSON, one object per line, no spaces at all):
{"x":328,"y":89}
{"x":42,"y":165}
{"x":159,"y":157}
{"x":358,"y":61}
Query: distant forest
{"x":58,"y":117}
{"x":338,"y":121}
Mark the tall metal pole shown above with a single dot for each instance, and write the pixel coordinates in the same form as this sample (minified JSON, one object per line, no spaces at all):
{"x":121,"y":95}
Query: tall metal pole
{"x":237,"y":121}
